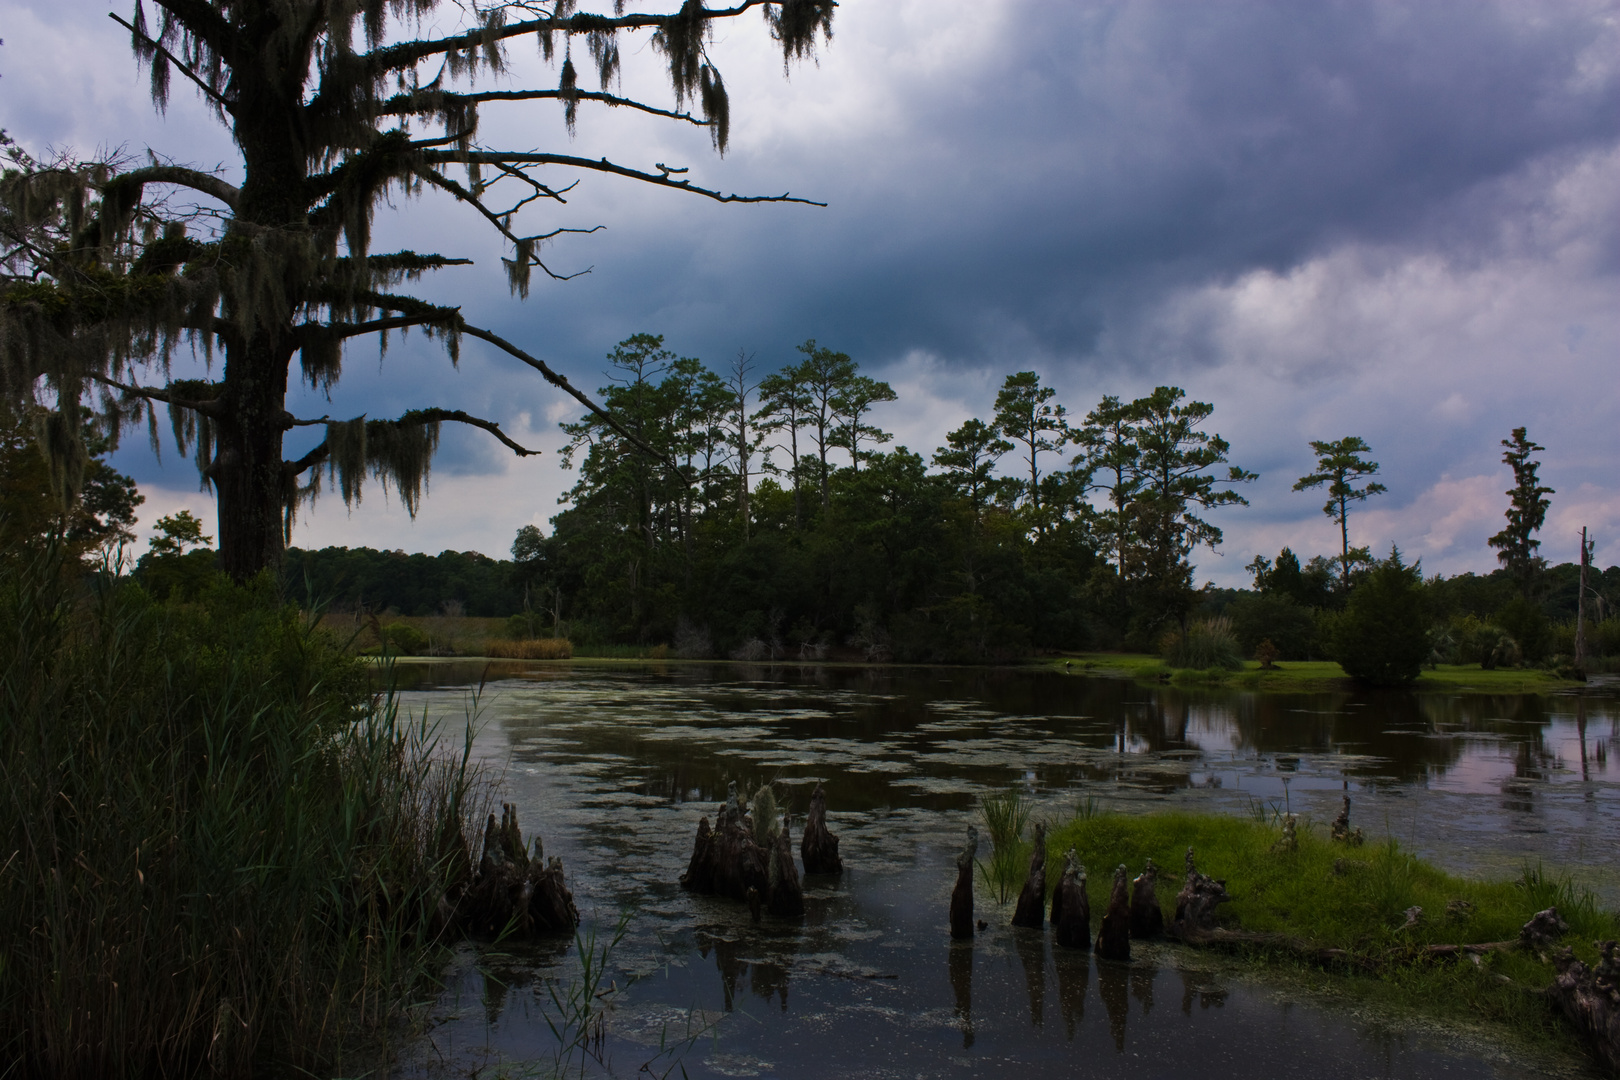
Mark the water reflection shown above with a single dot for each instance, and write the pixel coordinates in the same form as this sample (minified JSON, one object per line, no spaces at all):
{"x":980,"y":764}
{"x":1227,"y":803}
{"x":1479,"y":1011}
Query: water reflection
{"x":905,"y":755}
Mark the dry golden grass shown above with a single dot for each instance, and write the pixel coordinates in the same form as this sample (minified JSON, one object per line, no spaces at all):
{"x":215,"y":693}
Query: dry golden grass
{"x":531,"y":649}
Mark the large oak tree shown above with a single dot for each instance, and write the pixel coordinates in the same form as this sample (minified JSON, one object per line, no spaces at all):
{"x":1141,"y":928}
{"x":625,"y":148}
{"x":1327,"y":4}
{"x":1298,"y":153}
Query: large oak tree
{"x":333,"y":105}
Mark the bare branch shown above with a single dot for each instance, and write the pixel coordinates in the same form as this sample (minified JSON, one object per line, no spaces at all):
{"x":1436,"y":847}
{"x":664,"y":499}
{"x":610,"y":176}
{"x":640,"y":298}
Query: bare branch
{"x":664,"y":178}
{"x":219,"y":99}
{"x":567,"y":387}
{"x":344,"y":331}
{"x":439,"y":180}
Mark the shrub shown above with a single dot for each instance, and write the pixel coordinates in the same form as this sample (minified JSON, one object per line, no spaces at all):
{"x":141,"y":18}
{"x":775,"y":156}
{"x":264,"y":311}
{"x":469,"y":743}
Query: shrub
{"x":1005,"y":816}
{"x":1381,"y":637}
{"x":1527,"y":625}
{"x":1208,"y":643}
{"x":234,"y":853}
{"x":1275,"y":618}
{"x":402,"y":639}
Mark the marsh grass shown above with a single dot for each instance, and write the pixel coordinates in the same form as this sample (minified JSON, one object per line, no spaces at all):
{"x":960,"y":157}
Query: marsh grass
{"x":1005,"y":815}
{"x":529,"y":649}
{"x":221,"y":851}
{"x":1332,"y":896}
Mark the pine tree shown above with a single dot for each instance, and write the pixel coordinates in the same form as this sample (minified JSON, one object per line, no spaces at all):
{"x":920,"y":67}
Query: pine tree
{"x":1516,"y":544}
{"x":334,"y":107}
{"x":1339,"y":465}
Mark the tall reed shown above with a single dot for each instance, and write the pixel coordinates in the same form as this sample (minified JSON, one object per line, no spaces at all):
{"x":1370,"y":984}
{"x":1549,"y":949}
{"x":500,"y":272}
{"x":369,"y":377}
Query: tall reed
{"x":220,"y":849}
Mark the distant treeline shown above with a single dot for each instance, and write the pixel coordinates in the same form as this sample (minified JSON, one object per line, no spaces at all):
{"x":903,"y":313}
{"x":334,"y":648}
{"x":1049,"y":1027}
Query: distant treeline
{"x":451,"y":582}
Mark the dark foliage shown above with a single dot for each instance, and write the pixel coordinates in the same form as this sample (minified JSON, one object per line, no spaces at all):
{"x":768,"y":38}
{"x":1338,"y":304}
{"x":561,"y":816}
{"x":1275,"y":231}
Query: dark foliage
{"x":362,"y":578}
{"x":1382,"y":636}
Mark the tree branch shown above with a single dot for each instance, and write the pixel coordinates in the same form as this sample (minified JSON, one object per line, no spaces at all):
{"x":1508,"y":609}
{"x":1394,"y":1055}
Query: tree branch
{"x":219,"y":99}
{"x":177,"y":174}
{"x":408,"y":54}
{"x":566,"y":387}
{"x":344,"y":331}
{"x":664,"y":178}
{"x":213,"y":409}
{"x":322,"y":450}
{"x":413,"y":104}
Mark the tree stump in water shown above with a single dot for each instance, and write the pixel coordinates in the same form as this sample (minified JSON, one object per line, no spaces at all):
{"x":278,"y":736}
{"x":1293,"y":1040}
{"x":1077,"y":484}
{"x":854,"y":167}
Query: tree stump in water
{"x":1114,"y":939}
{"x":1147,"y":918}
{"x":513,"y":891}
{"x":1197,"y":901}
{"x":1071,"y":908}
{"x":1542,"y":931}
{"x":725,"y":860}
{"x":1591,"y":999}
{"x":1341,"y":830}
{"x":962,"y":895}
{"x":1031,"y":910}
{"x":786,"y":895}
{"x":819,"y":848}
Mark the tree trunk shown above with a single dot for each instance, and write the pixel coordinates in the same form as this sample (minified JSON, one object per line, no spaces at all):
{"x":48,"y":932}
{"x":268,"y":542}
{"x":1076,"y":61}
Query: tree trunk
{"x":1114,"y":939}
{"x":248,"y":476}
{"x":1031,"y":910}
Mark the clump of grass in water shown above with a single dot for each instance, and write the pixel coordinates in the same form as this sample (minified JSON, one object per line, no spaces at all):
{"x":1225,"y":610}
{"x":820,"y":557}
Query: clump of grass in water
{"x":1005,"y":817}
{"x":1331,"y":896}
{"x":227,"y":851}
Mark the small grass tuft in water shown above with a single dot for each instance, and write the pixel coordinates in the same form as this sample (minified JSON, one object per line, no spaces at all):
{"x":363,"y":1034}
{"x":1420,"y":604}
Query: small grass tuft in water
{"x":1005,"y":817}
{"x":1330,"y":896}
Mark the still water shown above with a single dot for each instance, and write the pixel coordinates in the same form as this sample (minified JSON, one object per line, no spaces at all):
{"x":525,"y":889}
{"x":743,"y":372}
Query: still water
{"x":615,"y":765}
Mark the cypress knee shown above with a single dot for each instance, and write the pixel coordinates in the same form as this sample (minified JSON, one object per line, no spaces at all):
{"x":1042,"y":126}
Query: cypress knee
{"x":786,"y":894}
{"x":1114,"y":939}
{"x":819,"y":848}
{"x":1071,"y":908}
{"x":1147,"y":918}
{"x":962,"y":895}
{"x":1031,"y":910}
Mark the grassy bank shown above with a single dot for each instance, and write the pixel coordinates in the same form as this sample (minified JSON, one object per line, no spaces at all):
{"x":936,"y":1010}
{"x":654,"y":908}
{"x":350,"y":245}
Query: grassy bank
{"x":1328,"y":895}
{"x":221,"y":850}
{"x":1305,"y":677}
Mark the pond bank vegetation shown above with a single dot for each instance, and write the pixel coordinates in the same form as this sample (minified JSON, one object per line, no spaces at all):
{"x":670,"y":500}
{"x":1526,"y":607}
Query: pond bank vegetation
{"x":222,"y":849}
{"x":1383,"y":924}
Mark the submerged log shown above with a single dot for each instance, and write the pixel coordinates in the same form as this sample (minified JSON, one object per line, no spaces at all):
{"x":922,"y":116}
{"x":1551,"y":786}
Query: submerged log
{"x":1197,"y":901}
{"x":819,"y":848}
{"x":1590,"y":998}
{"x":785,"y":896}
{"x":1114,"y":938}
{"x":962,"y":895}
{"x":513,"y":891}
{"x":1031,"y":910}
{"x":1147,"y":918}
{"x":1071,"y":908}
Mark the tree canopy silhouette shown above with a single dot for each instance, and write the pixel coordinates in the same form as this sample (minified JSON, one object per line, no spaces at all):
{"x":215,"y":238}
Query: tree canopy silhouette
{"x":333,"y":105}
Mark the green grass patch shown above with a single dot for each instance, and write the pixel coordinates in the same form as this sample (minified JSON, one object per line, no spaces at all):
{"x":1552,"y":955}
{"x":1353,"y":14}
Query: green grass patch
{"x":1307,"y":677}
{"x":1329,"y":895}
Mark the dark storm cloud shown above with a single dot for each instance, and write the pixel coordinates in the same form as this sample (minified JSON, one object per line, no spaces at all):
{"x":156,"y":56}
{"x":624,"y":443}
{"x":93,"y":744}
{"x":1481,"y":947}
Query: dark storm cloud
{"x":1105,"y":156}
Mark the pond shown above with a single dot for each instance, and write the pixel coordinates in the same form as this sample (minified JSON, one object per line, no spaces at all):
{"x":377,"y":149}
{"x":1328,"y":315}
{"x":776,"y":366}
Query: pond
{"x":615,"y":765}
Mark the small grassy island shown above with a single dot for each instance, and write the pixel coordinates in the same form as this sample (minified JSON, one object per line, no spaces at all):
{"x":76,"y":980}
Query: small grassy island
{"x":1380,"y":923}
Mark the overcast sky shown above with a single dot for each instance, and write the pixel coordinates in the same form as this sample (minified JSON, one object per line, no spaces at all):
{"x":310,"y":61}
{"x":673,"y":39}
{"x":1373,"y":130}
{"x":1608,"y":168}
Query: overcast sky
{"x":1393,"y":220}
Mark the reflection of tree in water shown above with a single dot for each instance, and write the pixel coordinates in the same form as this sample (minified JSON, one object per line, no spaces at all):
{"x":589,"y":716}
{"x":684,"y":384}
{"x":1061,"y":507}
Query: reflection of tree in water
{"x":961,"y":973}
{"x":1114,"y":988}
{"x":502,"y":973}
{"x":1031,"y":946}
{"x":1197,"y":984}
{"x":1142,"y":976}
{"x":766,"y":978}
{"x":1073,"y":982}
